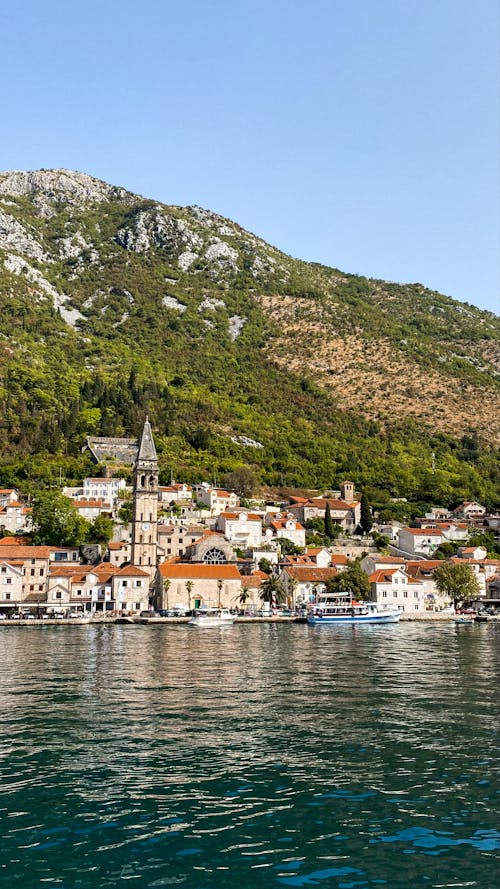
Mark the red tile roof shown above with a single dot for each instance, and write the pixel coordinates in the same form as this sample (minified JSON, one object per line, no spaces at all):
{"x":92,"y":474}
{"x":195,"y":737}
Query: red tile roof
{"x":304,"y":573}
{"x":194,"y":571}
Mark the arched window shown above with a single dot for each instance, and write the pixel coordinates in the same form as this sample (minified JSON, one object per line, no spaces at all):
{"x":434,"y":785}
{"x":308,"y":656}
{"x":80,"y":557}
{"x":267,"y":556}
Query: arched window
{"x":214,"y":556}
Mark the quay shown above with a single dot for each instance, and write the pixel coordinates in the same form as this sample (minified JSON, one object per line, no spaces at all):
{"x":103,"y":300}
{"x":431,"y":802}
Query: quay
{"x":99,"y":620}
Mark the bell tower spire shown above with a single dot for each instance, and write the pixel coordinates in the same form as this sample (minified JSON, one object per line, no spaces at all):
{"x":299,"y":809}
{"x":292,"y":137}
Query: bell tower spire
{"x":145,"y":504}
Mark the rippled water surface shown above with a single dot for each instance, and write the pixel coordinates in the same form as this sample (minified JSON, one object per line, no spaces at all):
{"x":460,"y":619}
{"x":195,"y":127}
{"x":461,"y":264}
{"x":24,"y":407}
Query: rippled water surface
{"x":250,"y":756}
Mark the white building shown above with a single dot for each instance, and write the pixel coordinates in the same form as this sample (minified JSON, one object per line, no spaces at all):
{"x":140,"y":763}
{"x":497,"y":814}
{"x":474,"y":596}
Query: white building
{"x":243,"y":529}
{"x":216,"y":499}
{"x":175,"y":493}
{"x":394,"y":588}
{"x":11,"y":585}
{"x":284,"y":526}
{"x":420,"y":541}
{"x":91,"y":509}
{"x":107,"y":489}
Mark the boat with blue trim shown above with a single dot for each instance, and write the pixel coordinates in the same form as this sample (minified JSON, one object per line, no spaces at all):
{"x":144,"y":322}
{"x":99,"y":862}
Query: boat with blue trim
{"x":343,"y":608}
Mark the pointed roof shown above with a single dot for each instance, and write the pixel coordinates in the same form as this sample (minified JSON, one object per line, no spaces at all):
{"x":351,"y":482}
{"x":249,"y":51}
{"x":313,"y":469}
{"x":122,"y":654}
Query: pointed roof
{"x":147,"y":450}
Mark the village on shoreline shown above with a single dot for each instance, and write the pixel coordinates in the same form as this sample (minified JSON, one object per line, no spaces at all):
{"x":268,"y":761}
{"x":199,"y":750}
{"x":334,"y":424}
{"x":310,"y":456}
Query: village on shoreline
{"x":176,"y":549}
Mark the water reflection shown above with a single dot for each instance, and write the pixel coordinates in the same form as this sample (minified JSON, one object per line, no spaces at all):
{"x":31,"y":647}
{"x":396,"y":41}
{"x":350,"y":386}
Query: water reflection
{"x":354,"y":756}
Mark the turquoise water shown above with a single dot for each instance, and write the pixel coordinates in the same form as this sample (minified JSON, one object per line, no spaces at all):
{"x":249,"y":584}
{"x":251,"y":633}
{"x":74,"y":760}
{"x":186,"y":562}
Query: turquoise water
{"x":250,"y":756}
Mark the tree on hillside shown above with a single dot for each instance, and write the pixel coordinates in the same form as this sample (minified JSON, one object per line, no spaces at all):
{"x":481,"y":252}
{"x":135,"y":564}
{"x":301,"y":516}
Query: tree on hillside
{"x":456,"y":580}
{"x":243,"y":481}
{"x":56,"y":522}
{"x":289,"y":548}
{"x":352,"y":578}
{"x":101,"y":530}
{"x":366,"y":521}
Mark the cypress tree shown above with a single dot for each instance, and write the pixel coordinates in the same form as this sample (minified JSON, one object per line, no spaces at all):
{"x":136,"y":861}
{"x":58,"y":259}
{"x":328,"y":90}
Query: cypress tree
{"x":328,"y":523}
{"x":366,"y":515}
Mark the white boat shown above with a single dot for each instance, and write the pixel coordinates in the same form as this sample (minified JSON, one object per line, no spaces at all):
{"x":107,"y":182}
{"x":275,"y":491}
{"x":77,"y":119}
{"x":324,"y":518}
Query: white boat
{"x":342,"y":608}
{"x":212,"y":617}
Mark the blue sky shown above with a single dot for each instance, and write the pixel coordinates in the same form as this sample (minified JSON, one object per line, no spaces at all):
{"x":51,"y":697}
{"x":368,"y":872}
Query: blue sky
{"x":358,"y":133}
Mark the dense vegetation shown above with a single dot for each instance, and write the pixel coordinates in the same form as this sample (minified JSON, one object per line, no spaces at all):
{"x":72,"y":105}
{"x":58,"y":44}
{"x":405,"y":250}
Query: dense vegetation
{"x":152,"y":336}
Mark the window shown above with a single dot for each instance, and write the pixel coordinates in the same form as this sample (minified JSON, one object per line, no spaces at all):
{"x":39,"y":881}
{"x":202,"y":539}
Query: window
{"x":32,"y":572}
{"x":405,"y":594}
{"x":41,"y":572}
{"x":57,"y":594}
{"x":415,"y":595}
{"x":384,"y":595}
{"x":7,"y":595}
{"x":3,"y":569}
{"x":395,"y":594}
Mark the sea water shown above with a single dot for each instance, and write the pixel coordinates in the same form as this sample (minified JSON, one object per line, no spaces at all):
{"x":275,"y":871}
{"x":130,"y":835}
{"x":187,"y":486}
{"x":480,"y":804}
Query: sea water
{"x":261,"y":755}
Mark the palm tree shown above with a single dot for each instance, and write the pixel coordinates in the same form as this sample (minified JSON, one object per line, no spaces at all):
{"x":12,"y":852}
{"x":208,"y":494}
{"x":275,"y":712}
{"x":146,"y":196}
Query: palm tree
{"x":166,"y":587}
{"x":189,"y":587}
{"x":220,"y":584}
{"x":244,"y":595}
{"x":291,"y":586}
{"x":272,"y":591}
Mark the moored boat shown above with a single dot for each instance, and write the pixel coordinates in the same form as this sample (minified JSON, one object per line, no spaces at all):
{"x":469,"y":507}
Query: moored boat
{"x":342,"y":608}
{"x":212,"y":617}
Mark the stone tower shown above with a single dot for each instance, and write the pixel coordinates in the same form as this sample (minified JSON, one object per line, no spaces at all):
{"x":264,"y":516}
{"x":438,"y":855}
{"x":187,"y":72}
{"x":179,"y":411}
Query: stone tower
{"x":347,"y":492}
{"x":145,"y":504}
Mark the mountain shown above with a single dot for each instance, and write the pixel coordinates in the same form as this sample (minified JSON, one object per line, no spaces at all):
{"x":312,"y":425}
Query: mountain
{"x":114,"y":304}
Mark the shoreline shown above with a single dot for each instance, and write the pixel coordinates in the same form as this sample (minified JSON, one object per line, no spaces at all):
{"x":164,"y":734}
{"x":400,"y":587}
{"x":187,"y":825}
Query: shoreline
{"x":431,"y":617}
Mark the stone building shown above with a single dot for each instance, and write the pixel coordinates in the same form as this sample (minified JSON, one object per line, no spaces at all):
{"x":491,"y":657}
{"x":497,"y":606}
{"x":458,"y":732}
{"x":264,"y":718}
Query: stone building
{"x":145,"y":505}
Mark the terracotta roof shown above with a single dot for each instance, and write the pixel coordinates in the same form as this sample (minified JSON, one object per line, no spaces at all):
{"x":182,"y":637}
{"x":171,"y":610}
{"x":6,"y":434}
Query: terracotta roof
{"x":251,"y":516}
{"x":18,"y":551}
{"x":338,"y":559}
{"x":382,"y":575}
{"x":131,"y":571}
{"x":423,"y":532}
{"x":91,"y":504}
{"x":13,"y":541}
{"x":320,"y":503}
{"x":389,"y":560}
{"x":253,"y":581}
{"x":310,"y":572}
{"x":193,"y":571}
{"x":117,"y":545}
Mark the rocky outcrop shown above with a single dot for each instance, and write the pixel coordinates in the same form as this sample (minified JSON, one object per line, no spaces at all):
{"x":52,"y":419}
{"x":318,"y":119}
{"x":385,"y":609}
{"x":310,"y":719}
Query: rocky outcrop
{"x":68,"y":186}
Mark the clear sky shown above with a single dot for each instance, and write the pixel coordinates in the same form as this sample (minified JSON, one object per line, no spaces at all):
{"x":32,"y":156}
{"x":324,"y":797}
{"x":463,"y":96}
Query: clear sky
{"x":358,"y":133}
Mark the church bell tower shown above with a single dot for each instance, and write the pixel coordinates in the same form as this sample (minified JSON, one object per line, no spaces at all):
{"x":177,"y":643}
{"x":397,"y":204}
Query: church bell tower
{"x":145,"y":504}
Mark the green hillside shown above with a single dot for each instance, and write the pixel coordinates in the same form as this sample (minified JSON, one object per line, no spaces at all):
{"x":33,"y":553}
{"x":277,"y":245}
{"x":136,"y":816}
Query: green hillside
{"x":113,"y":305}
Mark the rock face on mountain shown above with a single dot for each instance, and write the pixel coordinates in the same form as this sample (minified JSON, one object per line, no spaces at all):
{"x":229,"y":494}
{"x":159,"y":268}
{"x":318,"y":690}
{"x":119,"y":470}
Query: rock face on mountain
{"x":99,"y":283}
